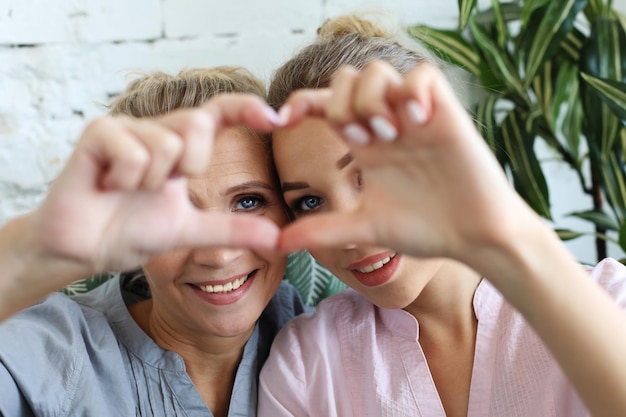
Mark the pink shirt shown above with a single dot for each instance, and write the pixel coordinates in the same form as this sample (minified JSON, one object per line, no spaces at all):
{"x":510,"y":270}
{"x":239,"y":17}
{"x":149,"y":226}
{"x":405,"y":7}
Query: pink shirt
{"x":351,"y":358}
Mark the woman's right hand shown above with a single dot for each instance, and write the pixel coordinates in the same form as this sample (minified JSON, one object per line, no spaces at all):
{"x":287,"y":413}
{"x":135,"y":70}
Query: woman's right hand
{"x":122,"y":198}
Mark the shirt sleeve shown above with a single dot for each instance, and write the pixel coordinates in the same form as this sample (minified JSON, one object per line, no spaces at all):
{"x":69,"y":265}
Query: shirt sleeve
{"x":611,"y":275}
{"x":282,"y":391}
{"x":13,"y":402}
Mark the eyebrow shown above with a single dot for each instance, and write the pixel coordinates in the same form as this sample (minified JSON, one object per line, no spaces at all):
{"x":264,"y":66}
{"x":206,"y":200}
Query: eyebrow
{"x":239,"y":188}
{"x":293,"y":186}
{"x":344,"y":161}
{"x":246,"y":186}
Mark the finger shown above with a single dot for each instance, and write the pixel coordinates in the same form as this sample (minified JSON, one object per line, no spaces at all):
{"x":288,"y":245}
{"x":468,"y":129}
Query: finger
{"x":427,"y":90}
{"x":200,"y":126}
{"x":121,"y":159}
{"x":164,"y":146}
{"x":325,"y":230}
{"x":227,"y":230}
{"x":303,"y":103}
{"x":378,"y":82}
{"x":343,"y":87}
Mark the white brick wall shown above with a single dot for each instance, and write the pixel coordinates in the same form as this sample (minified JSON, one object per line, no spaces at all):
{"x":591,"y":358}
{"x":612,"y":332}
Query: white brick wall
{"x":61,"y":59}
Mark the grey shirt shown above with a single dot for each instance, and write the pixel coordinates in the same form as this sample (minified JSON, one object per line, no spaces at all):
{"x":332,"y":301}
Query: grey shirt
{"x":86,"y":356}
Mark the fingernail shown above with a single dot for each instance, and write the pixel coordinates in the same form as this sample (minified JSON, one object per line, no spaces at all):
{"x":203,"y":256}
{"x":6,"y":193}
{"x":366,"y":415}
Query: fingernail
{"x":283,"y":115}
{"x":416,"y":112}
{"x":272,"y":116}
{"x":383,"y":129}
{"x":356,"y":134}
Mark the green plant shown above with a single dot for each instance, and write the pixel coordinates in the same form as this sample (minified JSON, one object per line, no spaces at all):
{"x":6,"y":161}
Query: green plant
{"x":552,"y":70}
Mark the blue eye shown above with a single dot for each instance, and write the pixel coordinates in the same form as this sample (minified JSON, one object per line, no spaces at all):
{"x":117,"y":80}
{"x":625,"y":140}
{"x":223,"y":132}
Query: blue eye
{"x":308,"y":203}
{"x":249,"y":203}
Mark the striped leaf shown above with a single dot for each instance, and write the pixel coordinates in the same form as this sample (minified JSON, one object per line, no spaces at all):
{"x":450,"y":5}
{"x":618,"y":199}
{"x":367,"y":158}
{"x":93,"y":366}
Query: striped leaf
{"x":500,"y":24}
{"x":567,"y":106}
{"x":604,"y":57}
{"x":542,"y":87}
{"x":465,"y":11}
{"x":600,"y":219}
{"x":621,"y":238}
{"x":613,"y":180}
{"x":529,"y":7}
{"x":449,"y":46}
{"x":595,"y":9}
{"x":313,"y":281}
{"x":519,"y":136}
{"x":509,"y":11}
{"x":566,"y":234}
{"x":500,"y":64}
{"x":611,"y":92}
{"x":573,"y":44}
{"x":486,"y":123}
{"x":544,"y":32}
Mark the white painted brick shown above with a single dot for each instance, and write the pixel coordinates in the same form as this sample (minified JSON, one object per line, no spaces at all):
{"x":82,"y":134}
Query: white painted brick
{"x":46,"y":21}
{"x":190,"y":18}
{"x":441,"y":13}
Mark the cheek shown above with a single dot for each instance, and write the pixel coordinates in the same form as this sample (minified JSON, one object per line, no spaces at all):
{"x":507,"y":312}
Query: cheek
{"x":276,"y":264}
{"x":165,"y":267}
{"x":329,"y":258}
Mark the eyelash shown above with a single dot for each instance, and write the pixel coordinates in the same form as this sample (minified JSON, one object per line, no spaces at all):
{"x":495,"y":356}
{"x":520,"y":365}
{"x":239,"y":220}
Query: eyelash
{"x":296,"y":206}
{"x":260,"y":202}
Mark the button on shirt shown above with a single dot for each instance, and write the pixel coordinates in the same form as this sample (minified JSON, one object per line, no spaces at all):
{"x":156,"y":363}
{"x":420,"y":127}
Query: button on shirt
{"x":351,"y":358}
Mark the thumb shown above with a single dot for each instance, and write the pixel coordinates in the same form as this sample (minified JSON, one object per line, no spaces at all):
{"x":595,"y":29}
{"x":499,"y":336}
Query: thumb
{"x":326,"y":230}
{"x":227,"y":230}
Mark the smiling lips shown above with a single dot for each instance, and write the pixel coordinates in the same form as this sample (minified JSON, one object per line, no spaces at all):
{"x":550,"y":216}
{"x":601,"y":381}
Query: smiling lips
{"x":375,"y":270}
{"x":224,"y":288}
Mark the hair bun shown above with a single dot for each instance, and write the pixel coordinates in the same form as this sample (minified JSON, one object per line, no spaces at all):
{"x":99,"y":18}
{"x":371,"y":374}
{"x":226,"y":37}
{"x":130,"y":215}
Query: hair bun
{"x":348,"y":25}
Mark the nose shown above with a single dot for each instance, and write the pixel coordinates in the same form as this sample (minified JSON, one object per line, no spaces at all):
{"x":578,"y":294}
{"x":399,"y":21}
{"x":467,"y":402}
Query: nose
{"x":346,"y":201}
{"x":216,"y":257}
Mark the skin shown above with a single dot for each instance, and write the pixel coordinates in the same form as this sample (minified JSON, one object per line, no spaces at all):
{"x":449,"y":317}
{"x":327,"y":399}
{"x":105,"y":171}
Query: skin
{"x":210,"y":330}
{"x":319,"y":175}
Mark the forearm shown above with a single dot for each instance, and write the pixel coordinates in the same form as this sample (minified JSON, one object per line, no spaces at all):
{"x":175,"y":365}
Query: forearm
{"x":577,"y":320}
{"x":29,"y":272}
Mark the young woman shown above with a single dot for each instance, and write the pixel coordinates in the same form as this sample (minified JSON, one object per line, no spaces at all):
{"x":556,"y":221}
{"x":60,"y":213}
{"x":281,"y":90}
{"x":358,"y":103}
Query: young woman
{"x":466,"y":303}
{"x":194,"y":342}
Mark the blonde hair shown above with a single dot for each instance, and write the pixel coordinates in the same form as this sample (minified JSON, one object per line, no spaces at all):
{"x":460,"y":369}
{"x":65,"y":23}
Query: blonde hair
{"x":344,"y":40}
{"x":159,"y":93}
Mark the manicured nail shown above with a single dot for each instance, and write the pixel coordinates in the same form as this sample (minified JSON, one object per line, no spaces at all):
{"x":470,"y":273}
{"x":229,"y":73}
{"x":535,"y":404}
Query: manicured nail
{"x":416,"y":112}
{"x":383,"y":129}
{"x":356,"y":134}
{"x":283,"y":115}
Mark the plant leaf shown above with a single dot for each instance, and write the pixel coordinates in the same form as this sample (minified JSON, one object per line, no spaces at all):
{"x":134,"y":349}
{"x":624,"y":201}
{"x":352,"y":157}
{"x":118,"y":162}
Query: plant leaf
{"x":312,"y":280}
{"x":448,"y":45}
{"x":465,"y":11}
{"x":603,"y":56}
{"x":567,"y":106}
{"x":613,"y":179}
{"x":499,"y":63}
{"x":519,"y":137}
{"x":565,"y":234}
{"x":599,"y":218}
{"x":544,"y":32}
{"x":500,"y":24}
{"x":611,"y":92}
{"x":572,"y":44}
{"x":622,"y":237}
{"x":529,"y":7}
{"x":510,"y":11}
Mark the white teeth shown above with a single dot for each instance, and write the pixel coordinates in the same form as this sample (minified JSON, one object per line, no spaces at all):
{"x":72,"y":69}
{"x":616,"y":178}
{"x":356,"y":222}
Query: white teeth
{"x":225,"y":288}
{"x":376,"y":265}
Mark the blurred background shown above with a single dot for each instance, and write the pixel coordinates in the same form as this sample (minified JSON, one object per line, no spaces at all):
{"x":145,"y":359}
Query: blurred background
{"x":62,"y":60}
